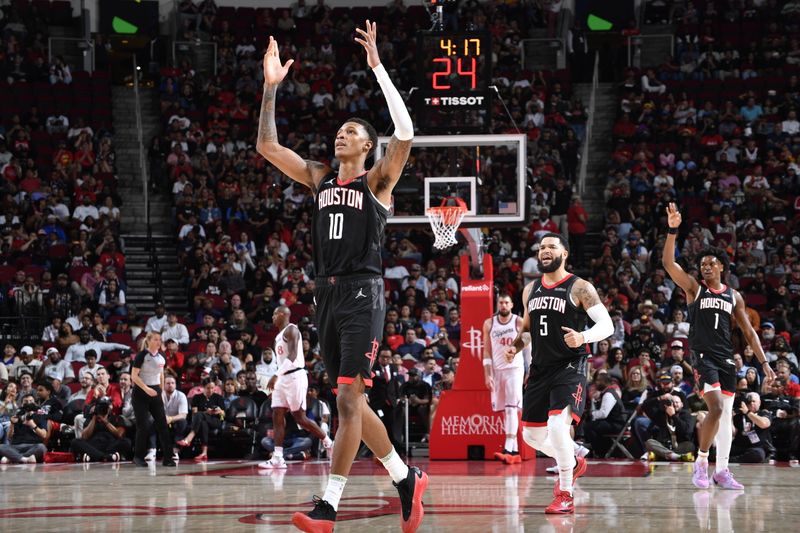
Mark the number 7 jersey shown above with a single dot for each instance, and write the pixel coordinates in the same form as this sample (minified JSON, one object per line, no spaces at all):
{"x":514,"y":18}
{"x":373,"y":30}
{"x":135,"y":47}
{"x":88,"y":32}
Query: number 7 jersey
{"x":348,"y":227}
{"x":549,"y":308}
{"x":710,"y":321}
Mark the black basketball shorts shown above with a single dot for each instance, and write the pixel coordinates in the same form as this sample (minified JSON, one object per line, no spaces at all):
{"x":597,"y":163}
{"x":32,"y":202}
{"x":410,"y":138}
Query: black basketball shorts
{"x":552,"y":389}
{"x":350,"y":315}
{"x":716,"y":371}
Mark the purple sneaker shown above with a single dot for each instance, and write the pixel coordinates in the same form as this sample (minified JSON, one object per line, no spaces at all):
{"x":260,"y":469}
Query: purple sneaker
{"x":725,"y":480}
{"x":700,"y":475}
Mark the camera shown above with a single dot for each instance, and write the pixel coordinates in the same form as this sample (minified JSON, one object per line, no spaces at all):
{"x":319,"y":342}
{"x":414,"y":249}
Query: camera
{"x":103,"y":406}
{"x":27,"y":412}
{"x":783,"y":403}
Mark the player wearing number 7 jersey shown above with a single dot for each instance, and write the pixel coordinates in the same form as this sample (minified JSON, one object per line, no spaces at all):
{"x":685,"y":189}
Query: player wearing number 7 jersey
{"x":711,"y":306}
{"x":350,"y":211}
{"x":556,"y":310}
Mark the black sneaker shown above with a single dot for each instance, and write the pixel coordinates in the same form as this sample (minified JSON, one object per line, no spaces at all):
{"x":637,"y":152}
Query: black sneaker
{"x":321,"y":519}
{"x":168,"y":461}
{"x":138,"y":461}
{"x":411,"y":490}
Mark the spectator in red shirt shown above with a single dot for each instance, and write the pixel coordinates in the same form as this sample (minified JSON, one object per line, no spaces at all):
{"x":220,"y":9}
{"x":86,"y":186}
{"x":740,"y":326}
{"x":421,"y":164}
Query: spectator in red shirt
{"x":576,"y":224}
{"x":391,"y":337}
{"x":543,"y":225}
{"x":173,"y":356}
{"x":111,"y":257}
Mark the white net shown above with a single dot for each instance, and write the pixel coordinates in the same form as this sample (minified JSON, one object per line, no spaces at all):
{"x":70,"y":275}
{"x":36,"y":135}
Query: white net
{"x":444,"y":222}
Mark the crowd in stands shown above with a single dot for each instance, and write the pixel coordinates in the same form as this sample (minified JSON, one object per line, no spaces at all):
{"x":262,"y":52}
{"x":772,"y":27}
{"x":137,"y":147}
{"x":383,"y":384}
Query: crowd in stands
{"x":724,"y":151}
{"x":715,"y":130}
{"x":62,"y":270}
{"x":244,"y":228}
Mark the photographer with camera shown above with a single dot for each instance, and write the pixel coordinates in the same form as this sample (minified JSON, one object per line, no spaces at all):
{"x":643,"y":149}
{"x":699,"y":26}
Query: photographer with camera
{"x":26,"y":435}
{"x":103,"y":437}
{"x":751,"y":436}
{"x":645,"y":426}
{"x":785,"y":429}
{"x":672,"y":429}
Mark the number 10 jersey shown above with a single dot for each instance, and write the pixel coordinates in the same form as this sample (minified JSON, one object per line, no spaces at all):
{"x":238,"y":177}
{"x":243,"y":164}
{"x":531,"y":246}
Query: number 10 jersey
{"x":348,"y":228}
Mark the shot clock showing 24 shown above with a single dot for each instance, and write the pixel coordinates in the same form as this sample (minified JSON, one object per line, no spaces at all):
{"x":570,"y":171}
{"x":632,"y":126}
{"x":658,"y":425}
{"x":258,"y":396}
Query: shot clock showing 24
{"x":454,"y":71}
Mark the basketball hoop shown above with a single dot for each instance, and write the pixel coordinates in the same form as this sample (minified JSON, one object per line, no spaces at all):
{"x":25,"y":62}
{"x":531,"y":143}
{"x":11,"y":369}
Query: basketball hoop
{"x":445,"y":220}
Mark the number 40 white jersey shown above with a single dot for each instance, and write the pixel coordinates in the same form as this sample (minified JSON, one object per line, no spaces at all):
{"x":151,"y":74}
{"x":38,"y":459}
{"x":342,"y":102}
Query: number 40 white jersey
{"x":502,"y":336}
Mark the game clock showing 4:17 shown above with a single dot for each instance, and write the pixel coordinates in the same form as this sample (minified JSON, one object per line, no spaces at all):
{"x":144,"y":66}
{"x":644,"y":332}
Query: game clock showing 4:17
{"x":454,"y":74}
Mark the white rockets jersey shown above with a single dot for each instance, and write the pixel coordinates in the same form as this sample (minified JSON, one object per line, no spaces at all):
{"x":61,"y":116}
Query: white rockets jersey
{"x":503,"y":336}
{"x":282,"y":351}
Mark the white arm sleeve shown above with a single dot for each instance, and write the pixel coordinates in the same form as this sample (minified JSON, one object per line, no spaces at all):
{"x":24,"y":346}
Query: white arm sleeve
{"x":403,"y":127}
{"x":603,"y":327}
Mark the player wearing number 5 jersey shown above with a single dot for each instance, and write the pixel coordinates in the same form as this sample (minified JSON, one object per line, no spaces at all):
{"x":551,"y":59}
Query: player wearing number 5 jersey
{"x":556,"y":310}
{"x":351,"y":206}
{"x":712,"y":304}
{"x":504,"y":379}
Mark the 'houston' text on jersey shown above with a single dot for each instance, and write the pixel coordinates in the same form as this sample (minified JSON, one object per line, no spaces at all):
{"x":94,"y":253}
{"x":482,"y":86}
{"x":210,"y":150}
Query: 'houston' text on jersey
{"x":710,"y":322}
{"x":348,"y":228}
{"x":550,"y":308}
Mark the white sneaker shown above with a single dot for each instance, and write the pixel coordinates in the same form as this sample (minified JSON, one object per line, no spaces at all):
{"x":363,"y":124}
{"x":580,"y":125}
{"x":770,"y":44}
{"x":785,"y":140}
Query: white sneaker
{"x":31,"y":459}
{"x":85,"y":458}
{"x":175,"y":456}
{"x":4,"y":460}
{"x":115,"y":457}
{"x":151,"y":455}
{"x":275,"y":462}
{"x":552,"y":469}
{"x":582,"y":451}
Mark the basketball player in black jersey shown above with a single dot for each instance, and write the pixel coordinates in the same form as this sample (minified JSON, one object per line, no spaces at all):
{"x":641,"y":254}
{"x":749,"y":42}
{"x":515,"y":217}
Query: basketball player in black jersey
{"x":556,"y":310}
{"x":711,"y":306}
{"x":351,"y":207}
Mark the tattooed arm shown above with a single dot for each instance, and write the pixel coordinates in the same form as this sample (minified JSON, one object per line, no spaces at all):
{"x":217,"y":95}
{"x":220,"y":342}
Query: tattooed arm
{"x":309,"y":173}
{"x":585,"y":295}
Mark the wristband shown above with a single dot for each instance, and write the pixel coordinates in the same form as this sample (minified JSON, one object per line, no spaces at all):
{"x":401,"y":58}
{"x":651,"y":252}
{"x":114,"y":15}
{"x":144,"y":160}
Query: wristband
{"x":487,"y":361}
{"x":672,"y":231}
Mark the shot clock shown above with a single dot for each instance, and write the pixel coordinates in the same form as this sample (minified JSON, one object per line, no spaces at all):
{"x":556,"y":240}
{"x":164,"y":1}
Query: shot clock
{"x":454,"y":72}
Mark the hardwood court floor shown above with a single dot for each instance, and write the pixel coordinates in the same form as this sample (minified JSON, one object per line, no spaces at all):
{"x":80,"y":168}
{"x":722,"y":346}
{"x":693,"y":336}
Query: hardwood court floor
{"x":463,"y":497}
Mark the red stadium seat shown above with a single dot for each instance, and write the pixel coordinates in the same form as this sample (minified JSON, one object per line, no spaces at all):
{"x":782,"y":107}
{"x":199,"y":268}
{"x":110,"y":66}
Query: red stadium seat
{"x":7,"y":273}
{"x":756,"y":301}
{"x":122,"y":338}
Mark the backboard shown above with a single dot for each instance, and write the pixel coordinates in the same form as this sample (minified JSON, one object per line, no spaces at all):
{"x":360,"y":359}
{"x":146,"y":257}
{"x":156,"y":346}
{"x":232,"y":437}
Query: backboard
{"x":488,"y":172}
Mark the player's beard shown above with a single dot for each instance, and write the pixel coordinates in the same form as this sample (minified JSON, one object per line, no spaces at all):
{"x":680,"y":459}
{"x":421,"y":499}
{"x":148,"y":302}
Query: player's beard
{"x":555,"y":264}
{"x":504,"y":312}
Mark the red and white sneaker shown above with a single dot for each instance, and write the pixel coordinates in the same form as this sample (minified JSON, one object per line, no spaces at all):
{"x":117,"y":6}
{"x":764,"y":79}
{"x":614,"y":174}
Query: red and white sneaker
{"x":578,"y":471}
{"x":562,"y":504}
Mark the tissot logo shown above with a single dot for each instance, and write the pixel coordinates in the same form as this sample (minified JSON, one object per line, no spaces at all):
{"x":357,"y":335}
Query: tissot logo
{"x":475,"y":288}
{"x":454,"y":100}
{"x":474,"y":342}
{"x":473,"y":425}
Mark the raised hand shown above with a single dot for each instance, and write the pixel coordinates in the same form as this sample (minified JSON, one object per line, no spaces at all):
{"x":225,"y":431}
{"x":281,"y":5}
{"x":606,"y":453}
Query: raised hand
{"x":673,"y":216}
{"x":572,"y":338}
{"x":274,"y":71}
{"x":368,"y":42}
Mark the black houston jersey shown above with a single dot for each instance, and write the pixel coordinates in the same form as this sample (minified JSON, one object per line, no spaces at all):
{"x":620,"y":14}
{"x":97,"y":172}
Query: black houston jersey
{"x":549,"y":308}
{"x":710,"y":321}
{"x":348,"y":227}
